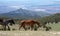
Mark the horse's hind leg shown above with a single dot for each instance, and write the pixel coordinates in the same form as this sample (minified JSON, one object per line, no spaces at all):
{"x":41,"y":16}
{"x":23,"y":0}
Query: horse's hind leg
{"x":5,"y":28}
{"x":20,"y":27}
{"x":31,"y":28}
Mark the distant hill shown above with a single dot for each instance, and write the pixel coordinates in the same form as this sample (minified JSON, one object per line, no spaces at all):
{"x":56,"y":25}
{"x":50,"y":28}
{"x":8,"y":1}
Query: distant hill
{"x":52,"y":18}
{"x":24,"y":14}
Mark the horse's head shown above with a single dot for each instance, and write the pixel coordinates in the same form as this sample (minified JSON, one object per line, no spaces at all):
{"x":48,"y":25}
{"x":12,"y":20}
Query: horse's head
{"x":1,"y":20}
{"x":12,"y":22}
{"x":38,"y":23}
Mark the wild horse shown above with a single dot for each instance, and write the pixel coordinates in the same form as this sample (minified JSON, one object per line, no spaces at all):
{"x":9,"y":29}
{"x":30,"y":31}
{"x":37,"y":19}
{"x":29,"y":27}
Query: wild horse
{"x":6,"y":23}
{"x":30,"y":23}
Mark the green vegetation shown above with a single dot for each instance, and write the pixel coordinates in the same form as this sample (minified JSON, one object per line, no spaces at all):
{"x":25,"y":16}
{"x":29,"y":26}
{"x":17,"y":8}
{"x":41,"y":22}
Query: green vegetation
{"x":55,"y":27}
{"x":51,"y":19}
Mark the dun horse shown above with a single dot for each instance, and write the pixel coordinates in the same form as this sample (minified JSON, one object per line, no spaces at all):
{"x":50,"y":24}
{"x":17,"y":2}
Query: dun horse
{"x":6,"y":23}
{"x":30,"y":23}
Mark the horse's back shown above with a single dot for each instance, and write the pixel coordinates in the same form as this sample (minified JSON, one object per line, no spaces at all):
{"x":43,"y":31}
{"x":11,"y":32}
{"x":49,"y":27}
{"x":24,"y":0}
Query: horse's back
{"x":28,"y":22}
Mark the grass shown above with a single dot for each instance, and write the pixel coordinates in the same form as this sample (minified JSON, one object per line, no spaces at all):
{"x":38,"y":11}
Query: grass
{"x":55,"y":27}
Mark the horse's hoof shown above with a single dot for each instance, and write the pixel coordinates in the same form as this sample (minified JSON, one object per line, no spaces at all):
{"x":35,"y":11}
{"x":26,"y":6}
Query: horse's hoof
{"x":9,"y":29}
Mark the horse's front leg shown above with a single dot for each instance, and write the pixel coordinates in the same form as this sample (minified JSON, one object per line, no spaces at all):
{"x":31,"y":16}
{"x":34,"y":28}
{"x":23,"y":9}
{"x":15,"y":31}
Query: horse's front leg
{"x":8,"y":28}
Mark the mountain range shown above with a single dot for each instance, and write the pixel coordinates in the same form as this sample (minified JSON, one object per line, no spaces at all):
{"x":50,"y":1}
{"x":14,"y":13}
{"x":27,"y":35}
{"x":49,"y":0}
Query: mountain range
{"x":23,"y":14}
{"x":13,"y":12}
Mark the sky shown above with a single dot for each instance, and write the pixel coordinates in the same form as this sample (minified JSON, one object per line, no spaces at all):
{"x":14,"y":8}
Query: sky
{"x":28,"y":2}
{"x":16,"y":4}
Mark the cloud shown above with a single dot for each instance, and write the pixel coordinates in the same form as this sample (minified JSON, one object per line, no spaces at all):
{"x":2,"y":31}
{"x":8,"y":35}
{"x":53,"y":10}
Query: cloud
{"x":18,"y":7}
{"x":39,"y":9}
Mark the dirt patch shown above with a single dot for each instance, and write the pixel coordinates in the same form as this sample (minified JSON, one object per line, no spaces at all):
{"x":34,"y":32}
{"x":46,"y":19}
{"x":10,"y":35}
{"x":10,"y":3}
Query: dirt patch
{"x":28,"y":33}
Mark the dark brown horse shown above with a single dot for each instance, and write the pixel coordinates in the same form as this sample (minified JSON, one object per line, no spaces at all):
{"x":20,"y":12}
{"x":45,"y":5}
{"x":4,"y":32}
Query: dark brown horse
{"x":30,"y":23}
{"x":6,"y":23}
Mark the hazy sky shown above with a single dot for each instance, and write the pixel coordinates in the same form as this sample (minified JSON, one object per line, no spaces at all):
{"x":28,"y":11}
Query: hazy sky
{"x":26,"y":3}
